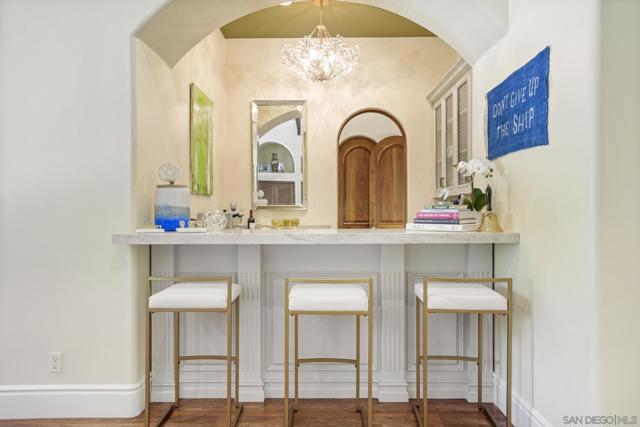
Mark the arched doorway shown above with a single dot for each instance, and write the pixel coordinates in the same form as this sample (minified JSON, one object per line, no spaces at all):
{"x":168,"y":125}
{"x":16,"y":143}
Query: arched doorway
{"x":372,"y":171}
{"x":180,"y":24}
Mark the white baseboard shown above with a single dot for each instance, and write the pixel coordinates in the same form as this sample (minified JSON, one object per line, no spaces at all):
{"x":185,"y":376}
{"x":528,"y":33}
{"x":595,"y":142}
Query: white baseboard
{"x":537,"y":420}
{"x":164,"y":391}
{"x":319,"y":390}
{"x":127,"y":400}
{"x":524,"y":415}
{"x":389,"y":392}
{"x":454,"y":390}
{"x":72,"y":401}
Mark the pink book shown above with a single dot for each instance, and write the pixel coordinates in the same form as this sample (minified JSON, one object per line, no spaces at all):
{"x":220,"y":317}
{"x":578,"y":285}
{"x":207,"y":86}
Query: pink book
{"x":438,"y":215}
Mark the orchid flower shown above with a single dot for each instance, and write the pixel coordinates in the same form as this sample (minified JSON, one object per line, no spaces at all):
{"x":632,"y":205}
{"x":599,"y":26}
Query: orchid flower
{"x":474,"y":166}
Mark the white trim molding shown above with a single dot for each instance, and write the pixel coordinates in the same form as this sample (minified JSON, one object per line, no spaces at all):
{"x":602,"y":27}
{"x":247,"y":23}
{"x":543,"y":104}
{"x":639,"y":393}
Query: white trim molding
{"x":524,"y":414}
{"x":71,"y":401}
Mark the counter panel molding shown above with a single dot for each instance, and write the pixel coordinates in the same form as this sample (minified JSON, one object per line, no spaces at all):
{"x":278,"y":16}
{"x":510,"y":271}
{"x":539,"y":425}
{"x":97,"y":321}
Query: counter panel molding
{"x":261,"y":270}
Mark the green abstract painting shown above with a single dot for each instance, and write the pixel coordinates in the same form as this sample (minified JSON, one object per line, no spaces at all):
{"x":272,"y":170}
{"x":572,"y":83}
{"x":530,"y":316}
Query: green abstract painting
{"x":201,"y":136}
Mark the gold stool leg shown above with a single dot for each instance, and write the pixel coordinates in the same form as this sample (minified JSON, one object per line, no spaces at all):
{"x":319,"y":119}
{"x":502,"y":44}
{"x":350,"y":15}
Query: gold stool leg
{"x":418,"y":362}
{"x":370,"y":369}
{"x":176,"y":356}
{"x":424,"y":359}
{"x":480,"y":361}
{"x":147,"y":370}
{"x":237,"y":338}
{"x":296,"y":363}
{"x":229,"y":327}
{"x":509,"y":365}
{"x":286,"y":353}
{"x":358,"y":362}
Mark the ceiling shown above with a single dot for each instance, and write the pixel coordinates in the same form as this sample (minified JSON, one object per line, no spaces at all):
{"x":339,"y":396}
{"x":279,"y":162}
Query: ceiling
{"x":344,"y":18}
{"x":471,"y":27}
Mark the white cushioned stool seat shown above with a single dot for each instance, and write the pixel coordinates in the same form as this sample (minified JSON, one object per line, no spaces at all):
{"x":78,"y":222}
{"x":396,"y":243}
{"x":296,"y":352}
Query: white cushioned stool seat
{"x":328,"y":297}
{"x":461,"y":296}
{"x":200,"y":295}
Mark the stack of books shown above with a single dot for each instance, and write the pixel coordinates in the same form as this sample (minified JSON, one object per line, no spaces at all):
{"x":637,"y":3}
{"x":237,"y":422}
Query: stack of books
{"x":444,"y":217}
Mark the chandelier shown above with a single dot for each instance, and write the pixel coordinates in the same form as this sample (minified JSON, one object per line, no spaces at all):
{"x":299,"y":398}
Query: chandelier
{"x":320,"y":57}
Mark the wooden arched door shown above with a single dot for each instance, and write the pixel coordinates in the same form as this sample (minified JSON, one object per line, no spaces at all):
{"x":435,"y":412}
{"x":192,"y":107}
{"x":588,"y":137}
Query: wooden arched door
{"x":389,"y":183}
{"x":372,"y":183}
{"x":354,"y":175}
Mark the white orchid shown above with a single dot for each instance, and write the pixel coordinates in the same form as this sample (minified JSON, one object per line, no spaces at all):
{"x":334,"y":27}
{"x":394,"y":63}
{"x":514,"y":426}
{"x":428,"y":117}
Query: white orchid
{"x":476,"y":166}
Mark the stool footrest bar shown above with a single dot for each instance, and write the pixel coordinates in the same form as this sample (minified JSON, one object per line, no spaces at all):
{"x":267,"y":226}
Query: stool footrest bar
{"x":463,"y":358}
{"x":206,"y":357}
{"x":327,"y":360}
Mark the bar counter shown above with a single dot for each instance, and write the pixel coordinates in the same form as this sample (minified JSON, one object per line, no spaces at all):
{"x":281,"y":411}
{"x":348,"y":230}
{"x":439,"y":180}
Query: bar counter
{"x":260,"y":260}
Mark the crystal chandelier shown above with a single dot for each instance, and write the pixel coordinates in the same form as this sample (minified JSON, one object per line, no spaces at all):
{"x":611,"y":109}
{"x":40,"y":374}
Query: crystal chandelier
{"x":319,"y":57}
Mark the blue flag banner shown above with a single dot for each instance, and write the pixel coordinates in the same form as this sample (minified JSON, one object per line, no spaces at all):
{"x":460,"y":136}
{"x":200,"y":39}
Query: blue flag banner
{"x":518,"y":109}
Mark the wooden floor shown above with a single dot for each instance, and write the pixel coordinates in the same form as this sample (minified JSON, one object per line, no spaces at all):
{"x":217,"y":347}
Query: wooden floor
{"x":312,"y":413}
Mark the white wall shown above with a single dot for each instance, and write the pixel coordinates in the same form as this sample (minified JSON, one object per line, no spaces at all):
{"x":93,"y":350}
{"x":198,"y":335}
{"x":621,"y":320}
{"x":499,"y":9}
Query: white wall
{"x":547,"y":194}
{"x":65,"y":187}
{"x":373,"y":125}
{"x":66,"y":171}
{"x":286,"y":134}
{"x":618,"y":234}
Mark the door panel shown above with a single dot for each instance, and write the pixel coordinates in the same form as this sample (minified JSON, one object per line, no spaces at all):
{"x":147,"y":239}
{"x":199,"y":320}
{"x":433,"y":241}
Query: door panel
{"x":389,"y":180}
{"x":354,"y":162}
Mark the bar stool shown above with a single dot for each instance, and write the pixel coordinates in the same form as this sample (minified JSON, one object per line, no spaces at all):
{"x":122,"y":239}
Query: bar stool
{"x":328,"y":297}
{"x":465,"y":296}
{"x":199,"y":294}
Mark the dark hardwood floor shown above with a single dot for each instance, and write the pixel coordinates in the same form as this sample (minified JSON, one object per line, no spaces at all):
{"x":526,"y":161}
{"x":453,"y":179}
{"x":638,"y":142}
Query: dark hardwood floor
{"x":312,"y":413}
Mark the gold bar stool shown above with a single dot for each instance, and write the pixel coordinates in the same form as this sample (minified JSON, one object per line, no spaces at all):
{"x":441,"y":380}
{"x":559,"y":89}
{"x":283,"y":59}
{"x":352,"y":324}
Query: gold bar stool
{"x":195,"y":294}
{"x":465,"y":296}
{"x":328,"y":297}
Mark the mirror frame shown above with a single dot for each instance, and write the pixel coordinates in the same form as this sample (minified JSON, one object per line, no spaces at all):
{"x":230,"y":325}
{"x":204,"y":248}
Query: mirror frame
{"x":254,"y":154}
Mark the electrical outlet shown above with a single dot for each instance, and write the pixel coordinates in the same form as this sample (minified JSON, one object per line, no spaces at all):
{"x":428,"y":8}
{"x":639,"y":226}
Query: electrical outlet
{"x":55,"y":362}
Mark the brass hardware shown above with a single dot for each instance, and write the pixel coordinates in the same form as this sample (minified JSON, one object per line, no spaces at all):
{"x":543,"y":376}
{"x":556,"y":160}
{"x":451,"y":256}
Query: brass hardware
{"x":176,"y":356}
{"x":289,"y":411}
{"x":490,"y":223}
{"x":460,"y":358}
{"x":420,"y":408}
{"x":327,"y":360}
{"x":231,"y":420}
{"x":206,"y":357}
{"x":479,"y":361}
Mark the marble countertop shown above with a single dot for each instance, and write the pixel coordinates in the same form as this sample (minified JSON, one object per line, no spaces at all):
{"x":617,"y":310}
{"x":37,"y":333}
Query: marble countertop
{"x":319,"y":236}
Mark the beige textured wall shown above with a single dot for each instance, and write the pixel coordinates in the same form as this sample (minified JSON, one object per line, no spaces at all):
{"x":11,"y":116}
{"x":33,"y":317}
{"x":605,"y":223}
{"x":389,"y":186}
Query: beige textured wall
{"x":162,"y":117}
{"x":394,"y":74}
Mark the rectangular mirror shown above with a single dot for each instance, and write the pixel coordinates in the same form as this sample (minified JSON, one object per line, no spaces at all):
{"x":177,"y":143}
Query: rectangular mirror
{"x":279,"y":154}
